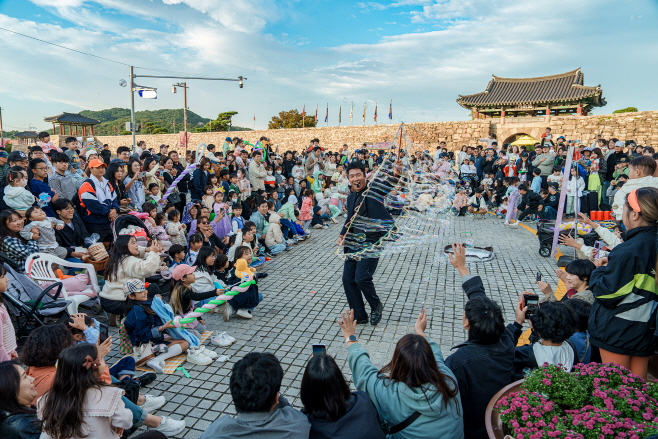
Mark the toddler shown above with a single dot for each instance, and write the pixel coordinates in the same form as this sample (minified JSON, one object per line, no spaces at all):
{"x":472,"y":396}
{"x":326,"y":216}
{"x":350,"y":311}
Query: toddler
{"x":159,"y":230}
{"x":237,"y":222}
{"x":175,"y":229}
{"x":196,"y":242}
{"x":242,"y":262}
{"x":306,"y":211}
{"x":153,"y":196}
{"x":244,"y":185}
{"x":16,"y":196}
{"x":47,"y":242}
{"x":208,"y":199}
{"x":460,"y":203}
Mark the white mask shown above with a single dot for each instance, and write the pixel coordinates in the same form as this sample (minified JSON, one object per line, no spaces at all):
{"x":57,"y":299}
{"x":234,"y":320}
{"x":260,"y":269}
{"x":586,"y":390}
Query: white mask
{"x":278,"y":172}
{"x":269,"y":172}
{"x":24,"y":182}
{"x":235,"y":200}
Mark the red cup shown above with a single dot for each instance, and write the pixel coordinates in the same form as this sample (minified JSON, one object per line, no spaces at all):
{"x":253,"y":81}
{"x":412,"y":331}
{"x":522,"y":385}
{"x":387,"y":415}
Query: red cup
{"x":607,"y":215}
{"x":595,"y":215}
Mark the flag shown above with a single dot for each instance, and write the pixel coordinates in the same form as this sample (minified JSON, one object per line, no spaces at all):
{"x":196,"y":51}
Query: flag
{"x":375,"y":111}
{"x":390,"y":110}
{"x":351,"y":111}
{"x":304,"y":112}
{"x":364,"y":112}
{"x":316,"y":113}
{"x":254,"y":117}
{"x":340,"y":108}
{"x":326,"y":115}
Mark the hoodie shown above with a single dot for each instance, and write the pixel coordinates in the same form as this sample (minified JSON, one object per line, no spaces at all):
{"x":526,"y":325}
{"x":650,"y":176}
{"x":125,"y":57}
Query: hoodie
{"x":18,"y":198}
{"x":274,"y":234}
{"x":395,"y":402}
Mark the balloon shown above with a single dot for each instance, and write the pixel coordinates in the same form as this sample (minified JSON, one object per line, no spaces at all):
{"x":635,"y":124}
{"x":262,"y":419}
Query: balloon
{"x":202,"y":147}
{"x":219,"y":300}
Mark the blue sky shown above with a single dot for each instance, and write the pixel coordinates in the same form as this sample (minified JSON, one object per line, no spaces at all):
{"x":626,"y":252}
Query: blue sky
{"x":420,"y":53}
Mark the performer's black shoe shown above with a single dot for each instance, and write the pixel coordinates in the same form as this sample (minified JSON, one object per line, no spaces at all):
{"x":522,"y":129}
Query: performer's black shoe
{"x":261,"y":275}
{"x":362,"y":320}
{"x":376,"y":315}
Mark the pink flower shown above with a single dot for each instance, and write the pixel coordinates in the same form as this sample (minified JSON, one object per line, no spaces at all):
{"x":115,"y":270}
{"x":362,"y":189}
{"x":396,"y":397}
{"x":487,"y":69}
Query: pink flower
{"x":546,"y":382}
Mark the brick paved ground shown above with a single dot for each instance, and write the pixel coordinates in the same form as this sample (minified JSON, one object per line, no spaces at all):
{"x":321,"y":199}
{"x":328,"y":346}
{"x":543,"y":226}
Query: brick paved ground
{"x":291,"y":318}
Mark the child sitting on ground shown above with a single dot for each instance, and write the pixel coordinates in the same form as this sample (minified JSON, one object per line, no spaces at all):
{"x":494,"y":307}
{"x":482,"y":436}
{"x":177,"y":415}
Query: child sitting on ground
{"x":177,"y":253}
{"x":317,"y":221}
{"x":580,"y":338}
{"x":274,"y":239}
{"x":476,"y":204}
{"x":182,"y":301}
{"x":16,"y":196}
{"x":326,"y":208}
{"x":553,"y":323}
{"x":47,"y":242}
{"x":175,"y":229}
{"x":153,"y":196}
{"x":243,"y":259}
{"x":196,"y":242}
{"x":460,"y":203}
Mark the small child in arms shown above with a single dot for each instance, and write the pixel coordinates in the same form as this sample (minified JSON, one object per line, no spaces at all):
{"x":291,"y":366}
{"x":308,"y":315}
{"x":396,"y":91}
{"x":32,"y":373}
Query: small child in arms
{"x":47,"y":242}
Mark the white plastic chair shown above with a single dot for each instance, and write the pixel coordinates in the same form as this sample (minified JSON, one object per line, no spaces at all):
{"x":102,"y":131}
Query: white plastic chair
{"x":39,"y":268}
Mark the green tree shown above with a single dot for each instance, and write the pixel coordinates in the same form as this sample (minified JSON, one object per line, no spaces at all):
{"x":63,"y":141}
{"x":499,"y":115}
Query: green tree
{"x":153,"y":128}
{"x":290,"y":119}
{"x":626,"y":110}
{"x":222,"y":123}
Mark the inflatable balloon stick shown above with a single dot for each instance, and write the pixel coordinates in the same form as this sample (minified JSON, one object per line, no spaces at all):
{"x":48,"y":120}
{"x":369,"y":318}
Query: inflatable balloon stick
{"x":219,"y":300}
{"x":186,"y":171}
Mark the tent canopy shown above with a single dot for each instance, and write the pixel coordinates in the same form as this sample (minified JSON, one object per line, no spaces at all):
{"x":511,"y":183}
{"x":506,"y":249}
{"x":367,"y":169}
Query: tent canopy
{"x":524,"y":140}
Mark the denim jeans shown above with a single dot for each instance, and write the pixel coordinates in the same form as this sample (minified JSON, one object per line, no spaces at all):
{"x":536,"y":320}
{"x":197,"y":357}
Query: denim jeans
{"x":260,"y":299}
{"x":550,"y":213}
{"x":125,"y":366}
{"x":139,"y":415}
{"x":288,"y":228}
{"x":277,"y":248}
{"x":257,"y":262}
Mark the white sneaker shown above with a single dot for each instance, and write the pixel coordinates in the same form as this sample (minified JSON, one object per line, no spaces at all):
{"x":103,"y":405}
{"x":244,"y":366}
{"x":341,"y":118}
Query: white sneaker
{"x":156,"y":365}
{"x":153,"y":403}
{"x":233,"y":340}
{"x":222,"y":340}
{"x":207,"y":352}
{"x":345,"y":215}
{"x":333,"y":220}
{"x":326,"y":226}
{"x":169,"y":427}
{"x":317,"y":226}
{"x":244,"y":314}
{"x":196,"y":357}
{"x":228,"y":310}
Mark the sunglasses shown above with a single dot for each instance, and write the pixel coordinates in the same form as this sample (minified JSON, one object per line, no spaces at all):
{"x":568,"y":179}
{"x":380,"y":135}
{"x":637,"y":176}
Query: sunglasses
{"x":204,"y":222}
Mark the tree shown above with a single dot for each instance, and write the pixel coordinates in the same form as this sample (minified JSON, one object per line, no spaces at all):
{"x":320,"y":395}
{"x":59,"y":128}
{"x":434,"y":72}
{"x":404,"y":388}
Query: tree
{"x":290,"y":119}
{"x":626,"y":110}
{"x":152,"y":128}
{"x":222,"y":123}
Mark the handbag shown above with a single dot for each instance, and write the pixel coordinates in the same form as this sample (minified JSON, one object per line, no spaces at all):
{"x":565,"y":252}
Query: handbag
{"x":388,"y":430}
{"x":143,"y":352}
{"x":125,"y":345}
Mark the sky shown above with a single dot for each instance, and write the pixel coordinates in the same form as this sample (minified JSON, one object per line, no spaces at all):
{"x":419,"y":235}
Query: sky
{"x":421,"y":54}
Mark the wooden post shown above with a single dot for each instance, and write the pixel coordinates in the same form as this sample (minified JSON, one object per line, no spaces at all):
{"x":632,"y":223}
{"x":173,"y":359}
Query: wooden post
{"x":61,"y":133}
{"x":548,"y":110}
{"x":92,"y":131}
{"x":580,"y":110}
{"x":54,"y":132}
{"x":76,"y":131}
{"x":477,"y":116}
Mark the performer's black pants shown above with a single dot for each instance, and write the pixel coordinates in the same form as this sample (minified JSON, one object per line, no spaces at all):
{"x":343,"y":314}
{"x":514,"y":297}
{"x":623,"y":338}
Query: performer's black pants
{"x":357,"y":280}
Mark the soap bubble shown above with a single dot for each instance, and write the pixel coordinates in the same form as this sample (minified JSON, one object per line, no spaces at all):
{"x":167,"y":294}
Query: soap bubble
{"x":344,"y":100}
{"x":469,"y":243}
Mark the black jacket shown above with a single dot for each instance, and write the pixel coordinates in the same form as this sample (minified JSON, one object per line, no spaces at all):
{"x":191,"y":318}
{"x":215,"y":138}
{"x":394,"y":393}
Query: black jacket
{"x":623,"y":317}
{"x":199,"y":181}
{"x":532,"y":200}
{"x":359,"y":421}
{"x":371,"y":208}
{"x":468,"y":363}
{"x":182,"y":185}
{"x":19,"y":426}
{"x":70,"y":238}
{"x":106,"y":155}
{"x":552,"y":200}
{"x":287,"y":167}
{"x":612,"y":161}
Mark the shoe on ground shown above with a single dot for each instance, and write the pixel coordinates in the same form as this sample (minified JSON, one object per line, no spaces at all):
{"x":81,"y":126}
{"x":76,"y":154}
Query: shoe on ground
{"x":207,"y":352}
{"x":196,"y":357}
{"x":325,"y":226}
{"x":146,"y":378}
{"x":345,"y":215}
{"x":376,"y":315}
{"x":228,"y":310}
{"x":266,"y":259}
{"x":156,"y":365}
{"x":233,"y":340}
{"x":362,"y":320}
{"x":153,"y":403}
{"x":317,"y":226}
{"x":333,"y":220}
{"x":527,"y":220}
{"x":261,"y":275}
{"x":288,"y":248}
{"x":223,"y":340}
{"x":169,"y":427}
{"x":244,"y":314}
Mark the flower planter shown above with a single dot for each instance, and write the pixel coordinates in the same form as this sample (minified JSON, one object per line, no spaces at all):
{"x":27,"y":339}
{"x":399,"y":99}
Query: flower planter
{"x":492,"y":419}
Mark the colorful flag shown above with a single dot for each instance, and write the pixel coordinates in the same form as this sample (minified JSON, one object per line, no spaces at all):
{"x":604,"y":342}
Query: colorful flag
{"x":340,"y":108}
{"x":390,"y":110}
{"x":304,"y":112}
{"x":375,"y":111}
{"x":364,"y":112}
{"x":316,"y":113}
{"x":326,"y":115}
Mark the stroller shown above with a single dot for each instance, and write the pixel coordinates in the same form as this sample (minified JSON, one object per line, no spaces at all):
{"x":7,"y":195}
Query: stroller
{"x":545,"y":236}
{"x":31,"y":306}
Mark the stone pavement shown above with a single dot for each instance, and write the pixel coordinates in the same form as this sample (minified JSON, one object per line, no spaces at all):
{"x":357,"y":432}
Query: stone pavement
{"x":303,"y":296}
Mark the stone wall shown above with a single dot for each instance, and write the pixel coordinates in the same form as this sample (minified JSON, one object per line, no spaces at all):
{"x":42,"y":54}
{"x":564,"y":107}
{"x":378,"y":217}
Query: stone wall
{"x":641,"y":127}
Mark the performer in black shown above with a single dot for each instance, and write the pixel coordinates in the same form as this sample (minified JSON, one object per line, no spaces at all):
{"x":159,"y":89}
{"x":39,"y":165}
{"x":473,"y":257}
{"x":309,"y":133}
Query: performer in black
{"x":357,"y":274}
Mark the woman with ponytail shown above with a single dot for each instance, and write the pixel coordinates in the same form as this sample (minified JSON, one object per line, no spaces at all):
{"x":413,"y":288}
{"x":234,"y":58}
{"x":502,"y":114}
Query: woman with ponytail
{"x":623,"y":318}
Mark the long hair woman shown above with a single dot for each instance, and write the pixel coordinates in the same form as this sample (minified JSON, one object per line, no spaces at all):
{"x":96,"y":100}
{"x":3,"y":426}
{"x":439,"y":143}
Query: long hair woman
{"x":18,"y":420}
{"x":114,"y":174}
{"x":135,"y":184}
{"x":128,"y":261}
{"x":415,"y":386}
{"x":333,"y":411}
{"x":623,"y":318}
{"x":12,"y":243}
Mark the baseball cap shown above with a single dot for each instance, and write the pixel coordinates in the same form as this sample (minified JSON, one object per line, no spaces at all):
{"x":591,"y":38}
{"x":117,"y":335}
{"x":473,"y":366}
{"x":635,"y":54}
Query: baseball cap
{"x":619,"y":144}
{"x":17,"y":156}
{"x":3,"y":154}
{"x":181,"y":270}
{"x":90,"y":152}
{"x":133,"y":286}
{"x":95,"y":163}
{"x":228,"y":139}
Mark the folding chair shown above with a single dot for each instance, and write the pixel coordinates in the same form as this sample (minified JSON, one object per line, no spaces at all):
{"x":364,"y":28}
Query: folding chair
{"x":39,"y":267}
{"x":32,"y":306}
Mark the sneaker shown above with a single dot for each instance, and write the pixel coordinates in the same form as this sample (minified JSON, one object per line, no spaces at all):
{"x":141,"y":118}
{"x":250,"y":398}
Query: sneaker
{"x":146,"y":378}
{"x":156,"y":365}
{"x":333,"y":220}
{"x":261,"y":275}
{"x":345,"y":215}
{"x":207,"y":352}
{"x":288,"y":248}
{"x":233,"y":340}
{"x":244,"y":314}
{"x":326,"y":226}
{"x":196,"y":357}
{"x":169,"y":427}
{"x":228,"y":310}
{"x":317,"y":226}
{"x":222,"y":340}
{"x":153,"y":403}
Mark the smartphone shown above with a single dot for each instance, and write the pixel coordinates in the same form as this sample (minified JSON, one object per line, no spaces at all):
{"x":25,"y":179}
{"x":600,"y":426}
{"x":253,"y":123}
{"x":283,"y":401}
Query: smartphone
{"x":319,"y":349}
{"x":103,"y":332}
{"x":141,"y":175}
{"x":538,"y":276}
{"x":532,"y":302}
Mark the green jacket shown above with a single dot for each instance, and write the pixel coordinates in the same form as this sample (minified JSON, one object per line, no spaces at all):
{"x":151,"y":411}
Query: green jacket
{"x":287,"y":211}
{"x":395,"y":402}
{"x":3,"y":170}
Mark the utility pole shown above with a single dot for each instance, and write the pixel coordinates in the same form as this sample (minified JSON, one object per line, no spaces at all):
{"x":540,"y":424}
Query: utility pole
{"x":2,"y":133}
{"x":132,"y":107}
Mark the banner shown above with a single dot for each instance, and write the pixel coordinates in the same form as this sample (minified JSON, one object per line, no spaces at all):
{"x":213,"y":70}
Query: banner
{"x":563,"y":198}
{"x":181,"y":139}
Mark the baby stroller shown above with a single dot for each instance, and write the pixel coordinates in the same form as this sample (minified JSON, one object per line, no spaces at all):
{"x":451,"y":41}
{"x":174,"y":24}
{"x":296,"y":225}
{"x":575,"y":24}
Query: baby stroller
{"x":545,"y":236}
{"x":124,"y":221}
{"x":31,"y":306}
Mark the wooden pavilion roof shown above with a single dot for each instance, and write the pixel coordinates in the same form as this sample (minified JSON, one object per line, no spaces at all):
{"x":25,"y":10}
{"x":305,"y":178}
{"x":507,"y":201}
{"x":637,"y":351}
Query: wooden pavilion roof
{"x":72,"y":119}
{"x":544,"y":90}
{"x":26,"y":134}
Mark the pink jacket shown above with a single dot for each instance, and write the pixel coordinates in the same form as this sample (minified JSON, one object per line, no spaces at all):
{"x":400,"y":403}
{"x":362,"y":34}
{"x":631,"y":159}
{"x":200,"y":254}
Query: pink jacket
{"x":306,"y":212}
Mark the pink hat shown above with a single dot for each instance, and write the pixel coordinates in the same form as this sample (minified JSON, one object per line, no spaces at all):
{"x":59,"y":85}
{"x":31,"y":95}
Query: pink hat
{"x":182,"y":270}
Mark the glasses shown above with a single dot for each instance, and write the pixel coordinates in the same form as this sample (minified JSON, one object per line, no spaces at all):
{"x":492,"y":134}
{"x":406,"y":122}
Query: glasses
{"x":70,"y":208}
{"x":42,"y":168}
{"x":204,"y":222}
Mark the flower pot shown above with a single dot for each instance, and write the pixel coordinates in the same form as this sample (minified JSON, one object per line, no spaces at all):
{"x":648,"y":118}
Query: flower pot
{"x":491,"y":417}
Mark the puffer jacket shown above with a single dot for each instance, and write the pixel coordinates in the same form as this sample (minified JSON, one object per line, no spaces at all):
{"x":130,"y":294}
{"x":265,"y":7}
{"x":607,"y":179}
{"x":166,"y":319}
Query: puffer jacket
{"x":131,"y":267}
{"x":623,"y":317}
{"x":274,"y":234}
